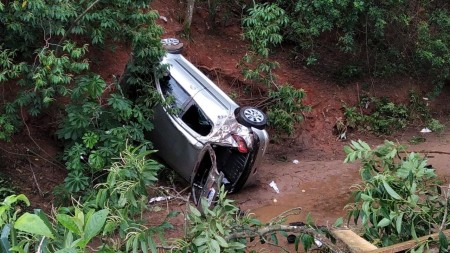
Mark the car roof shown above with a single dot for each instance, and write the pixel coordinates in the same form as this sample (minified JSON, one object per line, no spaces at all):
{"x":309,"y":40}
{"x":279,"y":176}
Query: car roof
{"x":210,"y":98}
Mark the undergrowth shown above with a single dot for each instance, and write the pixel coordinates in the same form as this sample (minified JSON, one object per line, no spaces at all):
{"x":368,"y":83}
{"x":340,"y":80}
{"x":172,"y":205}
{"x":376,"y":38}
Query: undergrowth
{"x":382,"y":116}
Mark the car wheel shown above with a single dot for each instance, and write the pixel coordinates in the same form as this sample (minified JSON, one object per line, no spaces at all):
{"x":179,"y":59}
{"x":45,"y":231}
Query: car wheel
{"x":251,"y":117}
{"x":172,"y":45}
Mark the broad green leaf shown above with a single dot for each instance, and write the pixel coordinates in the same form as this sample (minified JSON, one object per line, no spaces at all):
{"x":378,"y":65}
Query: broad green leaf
{"x":152,"y":245}
{"x":366,"y":207}
{"x":194,"y":211}
{"x":348,"y":149}
{"x":221,"y":241}
{"x":2,"y":211}
{"x":144,"y":246}
{"x":443,"y":241}
{"x":220,"y":228}
{"x":14,"y":198}
{"x":307,"y":241}
{"x":398,"y":223}
{"x":309,"y":219}
{"x":215,"y":246}
{"x":94,"y":224}
{"x":391,"y":191}
{"x":384,"y":222}
{"x":338,"y":222}
{"x":236,"y":245}
{"x":4,"y":238}
{"x":364,"y":145}
{"x":44,"y":218}
{"x":413,"y":230}
{"x":68,"y":222}
{"x":199,"y":241}
{"x":67,"y":250}
{"x":33,"y":224}
{"x":366,"y":197}
{"x":356,"y":145}
{"x":420,"y":249}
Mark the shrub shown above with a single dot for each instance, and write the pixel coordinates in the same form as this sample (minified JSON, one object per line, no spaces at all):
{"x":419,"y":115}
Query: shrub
{"x":385,"y":37}
{"x":43,"y":47}
{"x":262,"y":27}
{"x":383,"y":118}
{"x":400,"y":197}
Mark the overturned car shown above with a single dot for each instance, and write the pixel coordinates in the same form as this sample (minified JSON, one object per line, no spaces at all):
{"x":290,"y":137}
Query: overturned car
{"x":202,"y":133}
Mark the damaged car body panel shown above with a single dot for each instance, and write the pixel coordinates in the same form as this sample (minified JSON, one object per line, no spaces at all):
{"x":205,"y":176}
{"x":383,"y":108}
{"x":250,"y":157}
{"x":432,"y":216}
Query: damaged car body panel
{"x":203,"y":134}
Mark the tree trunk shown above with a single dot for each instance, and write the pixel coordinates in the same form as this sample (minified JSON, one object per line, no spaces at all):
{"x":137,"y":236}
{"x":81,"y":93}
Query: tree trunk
{"x":188,"y":17}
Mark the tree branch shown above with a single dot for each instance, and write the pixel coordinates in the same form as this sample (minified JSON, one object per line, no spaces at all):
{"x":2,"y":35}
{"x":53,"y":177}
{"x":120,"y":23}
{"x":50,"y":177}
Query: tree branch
{"x":78,"y":19}
{"x":285,"y":228}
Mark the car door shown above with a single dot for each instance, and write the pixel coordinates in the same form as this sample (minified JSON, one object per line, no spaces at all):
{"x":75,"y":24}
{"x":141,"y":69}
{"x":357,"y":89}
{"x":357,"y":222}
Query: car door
{"x":174,"y":143}
{"x":206,"y":179}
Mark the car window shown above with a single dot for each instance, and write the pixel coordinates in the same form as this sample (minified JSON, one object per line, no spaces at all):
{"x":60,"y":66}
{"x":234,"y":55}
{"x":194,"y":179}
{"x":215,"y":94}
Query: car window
{"x":173,"y":92}
{"x":197,"y":120}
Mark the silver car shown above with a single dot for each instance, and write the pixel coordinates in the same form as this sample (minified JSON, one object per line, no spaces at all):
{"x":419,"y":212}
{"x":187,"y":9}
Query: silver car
{"x":202,"y":133}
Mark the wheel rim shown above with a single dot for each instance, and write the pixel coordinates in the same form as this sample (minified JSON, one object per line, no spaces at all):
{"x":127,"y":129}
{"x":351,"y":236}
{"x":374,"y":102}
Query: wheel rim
{"x":170,"y":41}
{"x":254,"y":115}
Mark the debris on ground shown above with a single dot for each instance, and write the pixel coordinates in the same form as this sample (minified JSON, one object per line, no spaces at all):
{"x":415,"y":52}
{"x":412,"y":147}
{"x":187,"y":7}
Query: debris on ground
{"x":159,"y":199}
{"x":274,"y":186}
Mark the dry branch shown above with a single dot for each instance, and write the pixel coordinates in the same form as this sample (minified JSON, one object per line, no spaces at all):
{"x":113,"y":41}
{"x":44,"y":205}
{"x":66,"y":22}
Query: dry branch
{"x":262,"y":232}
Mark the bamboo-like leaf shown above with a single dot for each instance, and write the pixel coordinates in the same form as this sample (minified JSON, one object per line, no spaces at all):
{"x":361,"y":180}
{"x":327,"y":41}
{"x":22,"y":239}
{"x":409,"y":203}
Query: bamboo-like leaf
{"x":398,"y":223}
{"x":443,"y":241}
{"x":391,"y":191}
{"x":338,"y":222}
{"x":194,"y":211}
{"x":384,"y":222}
{"x":221,"y":241}
{"x":215,"y":246}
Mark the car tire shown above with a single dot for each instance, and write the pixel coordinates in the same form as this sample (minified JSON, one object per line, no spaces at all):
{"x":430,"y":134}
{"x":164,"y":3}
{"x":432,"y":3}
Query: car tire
{"x":251,"y":117}
{"x":172,"y":45}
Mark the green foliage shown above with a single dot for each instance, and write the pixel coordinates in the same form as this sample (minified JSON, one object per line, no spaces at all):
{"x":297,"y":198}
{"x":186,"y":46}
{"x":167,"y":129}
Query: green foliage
{"x":97,"y":132}
{"x":76,"y":181}
{"x":125,"y":189}
{"x":286,"y":108}
{"x":30,"y":231}
{"x":383,"y":118}
{"x":418,"y":108}
{"x":399,"y":198}
{"x":436,"y":126}
{"x":43,"y":48}
{"x":110,"y":211}
{"x":384,"y":37}
{"x":262,"y":28}
{"x":207,"y":231}
{"x":6,"y":187}
{"x":81,"y":227}
{"x":417,"y":140}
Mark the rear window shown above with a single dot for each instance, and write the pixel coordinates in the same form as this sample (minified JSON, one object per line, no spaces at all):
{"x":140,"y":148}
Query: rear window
{"x":173,"y":92}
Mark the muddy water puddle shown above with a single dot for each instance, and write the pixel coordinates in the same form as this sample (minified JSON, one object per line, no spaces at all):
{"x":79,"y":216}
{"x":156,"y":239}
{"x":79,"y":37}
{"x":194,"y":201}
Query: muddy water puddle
{"x":321,"y":188}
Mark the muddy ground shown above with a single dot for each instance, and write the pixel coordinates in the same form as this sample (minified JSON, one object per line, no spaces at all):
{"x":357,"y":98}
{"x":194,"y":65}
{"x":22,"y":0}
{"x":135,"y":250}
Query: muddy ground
{"x":319,"y":183}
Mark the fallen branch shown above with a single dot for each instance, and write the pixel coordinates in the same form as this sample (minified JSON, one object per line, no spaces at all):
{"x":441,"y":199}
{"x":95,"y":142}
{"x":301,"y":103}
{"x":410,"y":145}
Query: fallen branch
{"x":430,"y":152}
{"x":262,"y":232}
{"x":35,"y":179}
